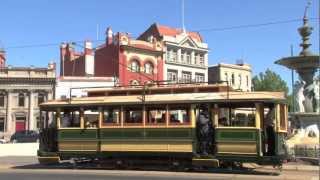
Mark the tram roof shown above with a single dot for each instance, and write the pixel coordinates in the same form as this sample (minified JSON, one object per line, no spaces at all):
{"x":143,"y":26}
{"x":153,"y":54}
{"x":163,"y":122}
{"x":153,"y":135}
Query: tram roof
{"x":158,"y":89}
{"x":201,"y":97}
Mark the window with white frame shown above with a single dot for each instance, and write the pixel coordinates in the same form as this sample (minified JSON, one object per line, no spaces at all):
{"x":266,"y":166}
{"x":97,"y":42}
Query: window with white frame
{"x":2,"y":97}
{"x":226,"y":76}
{"x":148,"y":68}
{"x":168,"y":55}
{"x":196,"y":58}
{"x":199,"y":77}
{"x":21,"y":99}
{"x":41,"y":98}
{"x":232,"y":79}
{"x":182,"y":57}
{"x":240,"y":80}
{"x":188,"y":58}
{"x":174,"y":56}
{"x":171,"y":55}
{"x":2,"y":124}
{"x":186,"y":77}
{"x":201,"y":60}
{"x":172,"y":75}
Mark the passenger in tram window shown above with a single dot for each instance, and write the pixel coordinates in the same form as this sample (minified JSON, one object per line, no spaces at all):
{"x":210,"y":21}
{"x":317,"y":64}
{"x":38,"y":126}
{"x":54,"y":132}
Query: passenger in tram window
{"x":204,"y":130}
{"x":223,"y":122}
{"x":66,"y":120}
{"x":163,"y":118}
{"x":173,"y":119}
{"x":271,"y":139}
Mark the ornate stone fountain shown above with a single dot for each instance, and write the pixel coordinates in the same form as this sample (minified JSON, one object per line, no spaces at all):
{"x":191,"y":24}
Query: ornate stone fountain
{"x":306,"y":65}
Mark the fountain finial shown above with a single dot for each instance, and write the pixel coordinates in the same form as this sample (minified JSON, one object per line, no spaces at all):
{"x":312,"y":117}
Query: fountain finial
{"x":305,"y":31}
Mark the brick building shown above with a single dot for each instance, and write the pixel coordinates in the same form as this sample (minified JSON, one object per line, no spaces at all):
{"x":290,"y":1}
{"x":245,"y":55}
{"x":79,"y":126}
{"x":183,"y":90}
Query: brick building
{"x":129,"y":61}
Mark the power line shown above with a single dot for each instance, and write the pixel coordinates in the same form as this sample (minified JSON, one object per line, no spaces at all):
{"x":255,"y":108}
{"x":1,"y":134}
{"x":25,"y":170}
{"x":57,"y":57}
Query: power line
{"x":44,"y":45}
{"x":196,"y":30}
{"x":252,"y":25}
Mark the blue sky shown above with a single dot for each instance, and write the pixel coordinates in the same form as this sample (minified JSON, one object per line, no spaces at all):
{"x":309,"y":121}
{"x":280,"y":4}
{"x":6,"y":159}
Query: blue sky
{"x":36,"y":22}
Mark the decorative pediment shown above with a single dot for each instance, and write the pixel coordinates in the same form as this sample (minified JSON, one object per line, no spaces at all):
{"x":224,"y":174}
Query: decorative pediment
{"x":188,"y":42}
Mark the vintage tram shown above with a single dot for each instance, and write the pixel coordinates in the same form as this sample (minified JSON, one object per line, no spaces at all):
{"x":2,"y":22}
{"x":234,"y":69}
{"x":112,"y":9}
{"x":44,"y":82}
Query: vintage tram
{"x":160,"y":125}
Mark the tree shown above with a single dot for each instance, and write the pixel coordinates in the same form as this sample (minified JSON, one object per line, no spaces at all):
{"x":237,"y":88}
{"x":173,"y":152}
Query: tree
{"x":269,"y":81}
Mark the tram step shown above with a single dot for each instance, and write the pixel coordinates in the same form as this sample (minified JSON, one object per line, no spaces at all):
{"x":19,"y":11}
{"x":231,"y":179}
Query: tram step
{"x":205,"y":162}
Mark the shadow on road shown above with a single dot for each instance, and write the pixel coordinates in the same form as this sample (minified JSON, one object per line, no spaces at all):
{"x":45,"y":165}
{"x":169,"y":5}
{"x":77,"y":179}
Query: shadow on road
{"x":90,"y":166}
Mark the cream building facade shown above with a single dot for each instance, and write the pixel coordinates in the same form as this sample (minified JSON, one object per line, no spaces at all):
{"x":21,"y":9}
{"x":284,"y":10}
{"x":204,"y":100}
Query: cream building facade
{"x":238,"y":76}
{"x":185,"y":53}
{"x":22,"y":90}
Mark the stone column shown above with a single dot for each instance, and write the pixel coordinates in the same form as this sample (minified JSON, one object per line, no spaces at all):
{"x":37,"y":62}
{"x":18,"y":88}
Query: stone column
{"x":31,"y":118}
{"x":9,"y":113}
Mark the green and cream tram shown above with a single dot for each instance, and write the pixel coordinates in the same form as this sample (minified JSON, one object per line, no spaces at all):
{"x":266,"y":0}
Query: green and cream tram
{"x":159,"y":124}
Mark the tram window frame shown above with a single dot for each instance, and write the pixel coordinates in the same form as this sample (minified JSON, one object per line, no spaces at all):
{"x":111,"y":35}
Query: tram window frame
{"x":227,"y":116}
{"x":127,"y":113}
{"x":185,"y":121}
{"x":282,"y":119}
{"x":95,"y":114}
{"x":162,"y":109}
{"x":75,"y":113}
{"x":114,"y":110}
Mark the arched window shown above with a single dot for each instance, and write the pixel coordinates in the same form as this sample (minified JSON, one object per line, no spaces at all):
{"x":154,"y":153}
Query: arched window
{"x":21,"y":100}
{"x":134,"y":66}
{"x":148,"y":68}
{"x":240,"y":80}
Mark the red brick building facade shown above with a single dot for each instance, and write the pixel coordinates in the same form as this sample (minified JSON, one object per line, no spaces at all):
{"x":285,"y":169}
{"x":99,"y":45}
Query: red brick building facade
{"x":2,"y":58}
{"x":132,"y":62}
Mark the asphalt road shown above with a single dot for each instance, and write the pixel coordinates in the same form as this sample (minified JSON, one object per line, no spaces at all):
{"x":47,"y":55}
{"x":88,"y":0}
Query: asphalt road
{"x":83,"y":174}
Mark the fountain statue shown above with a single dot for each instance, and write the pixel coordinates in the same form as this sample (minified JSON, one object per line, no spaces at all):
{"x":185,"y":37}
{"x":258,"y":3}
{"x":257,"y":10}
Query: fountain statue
{"x":306,"y":91}
{"x":306,"y":65}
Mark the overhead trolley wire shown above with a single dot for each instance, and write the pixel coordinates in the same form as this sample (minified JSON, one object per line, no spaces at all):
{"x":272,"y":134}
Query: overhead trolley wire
{"x":196,"y":30}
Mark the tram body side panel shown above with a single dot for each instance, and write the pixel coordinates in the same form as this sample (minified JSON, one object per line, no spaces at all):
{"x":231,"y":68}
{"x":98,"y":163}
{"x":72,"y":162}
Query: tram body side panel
{"x":238,"y":141}
{"x":73,"y":140}
{"x":147,"y":140}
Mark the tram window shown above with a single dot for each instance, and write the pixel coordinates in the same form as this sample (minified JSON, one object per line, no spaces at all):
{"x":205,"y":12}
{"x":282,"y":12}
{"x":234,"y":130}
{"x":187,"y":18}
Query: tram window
{"x":156,"y":115}
{"x":91,"y":118}
{"x":179,"y":115}
{"x":111,"y":116}
{"x":133,"y":115}
{"x":70,"y":119}
{"x":237,"y":117}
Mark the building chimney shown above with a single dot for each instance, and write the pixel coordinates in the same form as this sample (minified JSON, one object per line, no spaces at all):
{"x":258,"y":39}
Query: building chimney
{"x":2,"y":58}
{"x":109,"y":36}
{"x":89,"y":58}
{"x":63,"y":51}
{"x":51,"y":65}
